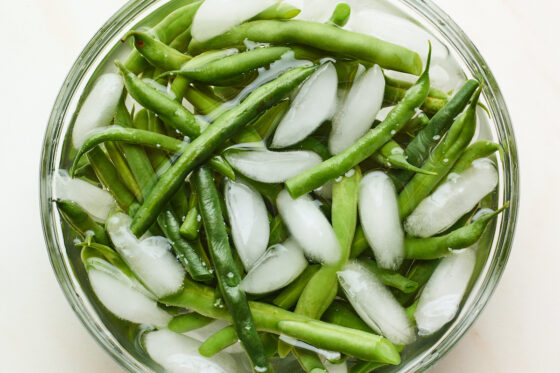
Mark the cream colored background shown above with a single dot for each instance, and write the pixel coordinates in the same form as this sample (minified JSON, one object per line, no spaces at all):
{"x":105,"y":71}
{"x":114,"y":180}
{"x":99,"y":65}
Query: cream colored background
{"x":517,"y":332}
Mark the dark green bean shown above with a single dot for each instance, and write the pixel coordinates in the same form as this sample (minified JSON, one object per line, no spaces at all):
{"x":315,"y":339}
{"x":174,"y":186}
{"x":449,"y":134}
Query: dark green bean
{"x":422,"y":145}
{"x":226,"y":271}
{"x":368,"y":144}
{"x":215,"y":135}
{"x":81,"y":222}
{"x":320,"y":36}
{"x":340,"y":15}
{"x":186,"y":254}
{"x":218,"y":341}
{"x":187,"y":322}
{"x":437,"y":247}
{"x":441,"y":160}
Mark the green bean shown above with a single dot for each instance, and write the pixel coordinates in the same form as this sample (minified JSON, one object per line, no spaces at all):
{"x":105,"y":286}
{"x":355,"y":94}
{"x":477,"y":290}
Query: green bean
{"x":392,"y":155}
{"x":322,"y":288}
{"x":420,"y":272}
{"x":191,"y":225}
{"x":309,"y":361}
{"x":437,"y":247}
{"x":404,"y":84}
{"x":94,"y":249}
{"x":187,"y":322}
{"x":321,"y":36}
{"x":289,"y":296}
{"x":410,"y":311}
{"x":166,"y":30}
{"x":181,"y":42}
{"x":214,"y":136}
{"x":80,"y":221}
{"x":278,"y":231}
{"x":120,"y":164}
{"x":390,"y":278}
{"x":368,"y":144}
{"x":218,"y":341}
{"x":86,"y":172}
{"x":136,"y":157}
{"x":479,"y":149}
{"x":186,"y":254}
{"x":202,"y":103}
{"x":418,"y":122}
{"x":340,"y":15}
{"x":394,"y":95}
{"x":232,"y":66}
{"x":267,"y":122}
{"x":107,"y":174}
{"x":226,"y":271}
{"x":441,"y":160}
{"x":280,"y":10}
{"x":158,"y":54}
{"x":341,"y":313}
{"x":365,"y":367}
{"x":314,"y":145}
{"x":172,"y":112}
{"x":359,"y":244}
{"x":422,"y":145}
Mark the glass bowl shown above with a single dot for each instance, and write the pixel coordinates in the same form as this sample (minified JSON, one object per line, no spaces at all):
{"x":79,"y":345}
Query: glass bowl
{"x":113,"y":334}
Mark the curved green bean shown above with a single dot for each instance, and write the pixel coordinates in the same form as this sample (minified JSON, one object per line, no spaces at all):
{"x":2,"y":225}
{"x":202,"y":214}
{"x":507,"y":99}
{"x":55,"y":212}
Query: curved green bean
{"x":461,"y":238}
{"x":158,"y":54}
{"x":171,"y":111}
{"x":321,"y":36}
{"x":480,"y":149}
{"x":368,"y":144}
{"x":420,"y":272}
{"x":166,"y":30}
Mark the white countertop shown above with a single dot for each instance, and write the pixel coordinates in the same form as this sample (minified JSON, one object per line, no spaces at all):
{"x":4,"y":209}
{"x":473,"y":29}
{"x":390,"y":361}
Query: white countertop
{"x":517,"y":332}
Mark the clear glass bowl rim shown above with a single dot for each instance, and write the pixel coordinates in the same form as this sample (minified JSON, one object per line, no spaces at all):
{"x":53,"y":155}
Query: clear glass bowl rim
{"x":432,"y":14}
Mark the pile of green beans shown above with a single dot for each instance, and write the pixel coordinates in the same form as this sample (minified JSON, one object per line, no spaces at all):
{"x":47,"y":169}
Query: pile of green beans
{"x":164,"y":164}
